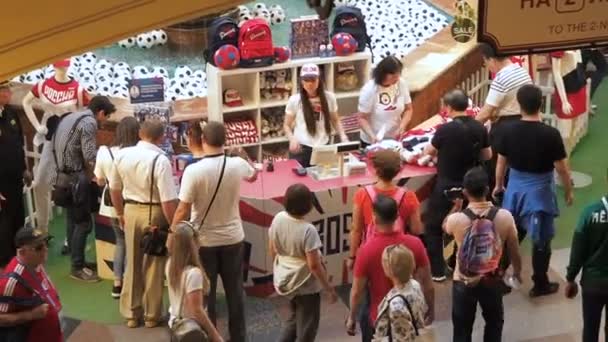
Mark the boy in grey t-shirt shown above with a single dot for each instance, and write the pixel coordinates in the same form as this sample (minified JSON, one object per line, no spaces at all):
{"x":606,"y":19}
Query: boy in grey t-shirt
{"x":299,"y":274}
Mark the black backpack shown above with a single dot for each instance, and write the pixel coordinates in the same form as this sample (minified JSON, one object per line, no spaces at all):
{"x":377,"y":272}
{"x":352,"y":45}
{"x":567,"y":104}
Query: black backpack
{"x":349,"y":19}
{"x":222,"y":31}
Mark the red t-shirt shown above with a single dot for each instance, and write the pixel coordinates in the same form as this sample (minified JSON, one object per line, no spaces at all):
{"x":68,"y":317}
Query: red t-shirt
{"x":409,"y":204}
{"x":369,"y":264}
{"x":60,"y":94}
{"x":47,"y":329}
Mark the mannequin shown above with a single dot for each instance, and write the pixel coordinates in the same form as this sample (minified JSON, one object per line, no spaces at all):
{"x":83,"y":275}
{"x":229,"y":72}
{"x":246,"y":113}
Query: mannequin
{"x":57,"y":95}
{"x":570,"y":98}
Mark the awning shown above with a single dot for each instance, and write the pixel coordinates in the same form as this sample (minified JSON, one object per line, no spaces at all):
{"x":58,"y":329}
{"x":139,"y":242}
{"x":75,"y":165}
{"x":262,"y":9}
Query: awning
{"x":36,"y":33}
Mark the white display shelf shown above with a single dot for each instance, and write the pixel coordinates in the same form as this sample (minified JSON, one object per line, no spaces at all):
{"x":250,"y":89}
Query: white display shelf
{"x":247,"y":82}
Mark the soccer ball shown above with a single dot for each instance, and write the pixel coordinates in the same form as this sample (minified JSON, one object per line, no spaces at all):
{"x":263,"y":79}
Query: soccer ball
{"x":122,"y":66}
{"x":183,"y":72}
{"x":277,"y":15}
{"x":259,"y":6}
{"x":161,"y":37}
{"x":127,"y":43}
{"x":145,"y":40}
{"x":141,"y":72}
{"x":282,"y":54}
{"x":103,"y":66}
{"x":160,"y":72}
{"x":105,"y":88}
{"x":88,"y":59}
{"x":262,"y":14}
{"x":199,"y":75}
{"x":227,"y":57}
{"x":344,"y":44}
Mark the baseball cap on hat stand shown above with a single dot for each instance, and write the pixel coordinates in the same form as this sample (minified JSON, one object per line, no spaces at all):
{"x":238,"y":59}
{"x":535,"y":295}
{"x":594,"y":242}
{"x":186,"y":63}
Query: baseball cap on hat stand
{"x":309,"y":71}
{"x":30,"y":236}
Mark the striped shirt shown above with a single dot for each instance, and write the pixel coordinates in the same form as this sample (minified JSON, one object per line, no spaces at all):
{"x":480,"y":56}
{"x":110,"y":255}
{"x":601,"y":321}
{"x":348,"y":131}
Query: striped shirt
{"x":80,"y":147}
{"x":504,"y":87}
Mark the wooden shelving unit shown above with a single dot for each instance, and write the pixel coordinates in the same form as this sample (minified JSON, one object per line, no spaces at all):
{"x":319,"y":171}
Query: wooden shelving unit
{"x":247,"y":82}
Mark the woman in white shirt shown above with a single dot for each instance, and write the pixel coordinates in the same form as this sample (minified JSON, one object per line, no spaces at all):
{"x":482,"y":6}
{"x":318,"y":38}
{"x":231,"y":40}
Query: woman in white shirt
{"x":385,"y":105}
{"x":187,"y":280}
{"x":310,"y":115}
{"x":127,"y":134}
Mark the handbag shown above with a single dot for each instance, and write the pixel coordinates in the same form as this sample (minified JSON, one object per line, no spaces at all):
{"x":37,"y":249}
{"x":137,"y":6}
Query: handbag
{"x":154,"y":239}
{"x":107,"y":199}
{"x":67,"y":182}
{"x":186,"y":329}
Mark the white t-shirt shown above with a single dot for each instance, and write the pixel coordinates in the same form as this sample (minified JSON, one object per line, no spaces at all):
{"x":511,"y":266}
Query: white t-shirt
{"x":194,"y":282}
{"x":504,"y":87}
{"x":223,"y":224}
{"x":300,"y":132}
{"x":385,"y":106}
{"x":103,"y":170}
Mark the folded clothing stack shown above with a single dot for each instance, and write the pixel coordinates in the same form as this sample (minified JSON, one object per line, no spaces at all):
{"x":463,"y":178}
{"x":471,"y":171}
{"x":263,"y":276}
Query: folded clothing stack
{"x":350,"y":123}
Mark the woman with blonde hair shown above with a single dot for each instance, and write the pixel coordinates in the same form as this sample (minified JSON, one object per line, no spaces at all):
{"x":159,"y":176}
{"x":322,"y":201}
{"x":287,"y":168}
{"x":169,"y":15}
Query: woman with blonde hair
{"x":401,"y":314}
{"x":187,"y":280}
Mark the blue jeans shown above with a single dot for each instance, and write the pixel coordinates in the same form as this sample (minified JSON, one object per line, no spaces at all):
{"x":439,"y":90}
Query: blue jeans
{"x":120,"y":250}
{"x":79,"y":225}
{"x":464,"y":307}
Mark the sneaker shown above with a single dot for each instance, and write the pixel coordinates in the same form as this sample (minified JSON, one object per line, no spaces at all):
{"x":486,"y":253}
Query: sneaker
{"x":85,"y":274}
{"x":132,"y":323}
{"x":116,"y":290}
{"x":91,"y":265}
{"x":439,"y":279}
{"x":151,"y":324}
{"x":65,"y":250}
{"x":551,"y":288}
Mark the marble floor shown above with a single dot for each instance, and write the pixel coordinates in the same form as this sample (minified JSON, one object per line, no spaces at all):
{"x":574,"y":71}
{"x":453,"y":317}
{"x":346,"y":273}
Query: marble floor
{"x":553,"y":318}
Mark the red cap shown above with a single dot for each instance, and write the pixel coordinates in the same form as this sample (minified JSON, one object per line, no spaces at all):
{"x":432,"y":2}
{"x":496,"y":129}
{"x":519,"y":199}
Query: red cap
{"x":64,"y":63}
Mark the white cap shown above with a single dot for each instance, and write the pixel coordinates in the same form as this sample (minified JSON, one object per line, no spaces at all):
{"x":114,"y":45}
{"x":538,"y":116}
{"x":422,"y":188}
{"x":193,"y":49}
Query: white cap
{"x":309,"y":70}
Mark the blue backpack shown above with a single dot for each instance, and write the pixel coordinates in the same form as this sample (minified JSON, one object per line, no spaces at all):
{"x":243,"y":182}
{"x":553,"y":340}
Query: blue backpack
{"x":480,"y":251}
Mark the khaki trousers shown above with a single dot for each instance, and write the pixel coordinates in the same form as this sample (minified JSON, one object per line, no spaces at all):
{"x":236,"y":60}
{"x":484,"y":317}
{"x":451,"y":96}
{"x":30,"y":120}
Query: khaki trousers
{"x":142,"y":289}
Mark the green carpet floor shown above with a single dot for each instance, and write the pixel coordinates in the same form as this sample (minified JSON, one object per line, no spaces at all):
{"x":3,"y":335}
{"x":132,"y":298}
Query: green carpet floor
{"x":93,"y":301}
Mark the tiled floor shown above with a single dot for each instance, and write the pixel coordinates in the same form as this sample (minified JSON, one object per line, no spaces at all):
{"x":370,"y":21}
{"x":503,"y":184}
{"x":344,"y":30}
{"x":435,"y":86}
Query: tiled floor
{"x":552,"y":318}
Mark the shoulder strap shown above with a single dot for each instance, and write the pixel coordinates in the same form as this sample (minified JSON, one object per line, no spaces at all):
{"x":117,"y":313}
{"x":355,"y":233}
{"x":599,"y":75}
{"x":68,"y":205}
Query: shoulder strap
{"x":371,"y":192}
{"x":470,"y":214}
{"x":70,"y":134}
{"x":217,"y":187}
{"x":110,"y":152}
{"x":152,"y":189}
{"x":19,"y":279}
{"x":491,"y":213}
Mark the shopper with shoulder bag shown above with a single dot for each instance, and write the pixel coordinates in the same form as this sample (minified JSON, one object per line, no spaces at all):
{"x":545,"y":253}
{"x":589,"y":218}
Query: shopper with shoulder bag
{"x":188,"y":284}
{"x":209,"y":197}
{"x":144,"y":196}
{"x":127,"y":134}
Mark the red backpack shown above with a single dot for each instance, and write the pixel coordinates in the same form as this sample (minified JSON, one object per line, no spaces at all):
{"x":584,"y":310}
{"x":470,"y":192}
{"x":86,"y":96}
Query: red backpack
{"x":255,"y":44}
{"x":398,"y":196}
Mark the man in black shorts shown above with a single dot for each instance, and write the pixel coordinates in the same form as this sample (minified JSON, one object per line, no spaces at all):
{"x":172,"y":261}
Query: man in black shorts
{"x":459,"y":145}
{"x":532,"y":150}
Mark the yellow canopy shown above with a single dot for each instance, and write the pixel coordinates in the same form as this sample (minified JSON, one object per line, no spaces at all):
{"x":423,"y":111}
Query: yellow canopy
{"x":36,"y":33}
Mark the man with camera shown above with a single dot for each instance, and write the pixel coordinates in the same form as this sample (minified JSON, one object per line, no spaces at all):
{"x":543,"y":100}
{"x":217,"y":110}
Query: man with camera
{"x":459,"y":145}
{"x":145,"y":198}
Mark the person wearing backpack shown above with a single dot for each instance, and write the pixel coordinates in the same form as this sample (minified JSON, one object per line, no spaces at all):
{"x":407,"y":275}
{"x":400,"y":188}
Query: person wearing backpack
{"x":385,"y":105}
{"x":368,"y":272}
{"x":402,"y":311}
{"x":387,"y":164}
{"x":459,"y":145}
{"x":480,"y":231}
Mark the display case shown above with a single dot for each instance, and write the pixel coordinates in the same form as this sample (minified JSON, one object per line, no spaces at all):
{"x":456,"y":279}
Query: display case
{"x":264,"y":93}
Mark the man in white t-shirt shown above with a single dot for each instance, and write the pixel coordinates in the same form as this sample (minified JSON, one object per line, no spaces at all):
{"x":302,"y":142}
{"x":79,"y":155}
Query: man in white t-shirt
{"x":209,"y":196}
{"x":501,"y":106}
{"x":385,"y":104}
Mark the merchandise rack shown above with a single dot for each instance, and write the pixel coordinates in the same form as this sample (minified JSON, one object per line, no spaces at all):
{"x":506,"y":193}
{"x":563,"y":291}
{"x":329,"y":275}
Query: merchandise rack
{"x":247,"y":82}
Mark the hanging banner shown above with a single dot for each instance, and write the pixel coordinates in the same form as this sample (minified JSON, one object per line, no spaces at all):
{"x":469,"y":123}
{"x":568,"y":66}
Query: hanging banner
{"x":528,"y":26}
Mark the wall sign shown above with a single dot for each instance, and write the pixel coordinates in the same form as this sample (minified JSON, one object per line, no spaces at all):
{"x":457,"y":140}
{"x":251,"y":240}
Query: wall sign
{"x":526,"y":26}
{"x":144,"y":90}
